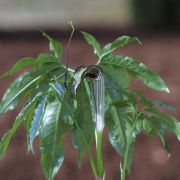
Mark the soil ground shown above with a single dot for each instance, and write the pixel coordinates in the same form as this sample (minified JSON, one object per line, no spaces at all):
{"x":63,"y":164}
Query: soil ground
{"x":159,"y":52}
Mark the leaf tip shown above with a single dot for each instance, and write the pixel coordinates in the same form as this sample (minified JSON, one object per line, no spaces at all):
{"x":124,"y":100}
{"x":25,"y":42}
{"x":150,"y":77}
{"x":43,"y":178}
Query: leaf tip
{"x":30,"y":149}
{"x":168,"y":156}
{"x":138,"y":41}
{"x":167,"y":90}
{"x":83,"y":33}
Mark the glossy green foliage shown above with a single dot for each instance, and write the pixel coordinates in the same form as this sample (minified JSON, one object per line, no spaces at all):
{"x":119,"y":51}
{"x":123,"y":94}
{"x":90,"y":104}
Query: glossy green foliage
{"x":54,"y":46}
{"x":93,"y":42}
{"x":37,"y":118}
{"x":83,"y":132}
{"x":51,"y":140}
{"x":52,"y":111}
{"x":138,"y":69}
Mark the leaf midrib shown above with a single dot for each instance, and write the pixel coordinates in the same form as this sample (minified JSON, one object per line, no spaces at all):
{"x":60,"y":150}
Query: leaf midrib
{"x":19,"y":92}
{"x":55,"y":135}
{"x":120,"y":125}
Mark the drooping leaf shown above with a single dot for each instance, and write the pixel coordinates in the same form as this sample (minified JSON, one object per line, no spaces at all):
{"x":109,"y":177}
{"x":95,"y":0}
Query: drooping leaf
{"x":163,"y":105}
{"x":165,"y":119}
{"x":24,"y":62}
{"x":119,"y":42}
{"x":30,"y":115}
{"x":54,"y":46}
{"x":23,"y":85}
{"x":51,"y":140}
{"x":117,"y":135}
{"x":115,"y":117}
{"x":152,"y":102}
{"x":38,"y":114}
{"x":177,"y":130}
{"x":168,"y":122}
{"x":67,"y":109}
{"x":18,"y":89}
{"x":57,"y":120}
{"x":142,"y":72}
{"x":93,"y":42}
{"x":152,"y":125}
{"x":58,"y":89}
{"x":164,"y":143}
{"x":83,"y":132}
{"x":19,"y":120}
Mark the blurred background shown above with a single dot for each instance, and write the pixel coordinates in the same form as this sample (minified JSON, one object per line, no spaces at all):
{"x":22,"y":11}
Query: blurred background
{"x":155,"y":22}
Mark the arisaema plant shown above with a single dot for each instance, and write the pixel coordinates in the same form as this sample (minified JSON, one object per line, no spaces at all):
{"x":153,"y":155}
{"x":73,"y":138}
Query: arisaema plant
{"x":60,"y":100}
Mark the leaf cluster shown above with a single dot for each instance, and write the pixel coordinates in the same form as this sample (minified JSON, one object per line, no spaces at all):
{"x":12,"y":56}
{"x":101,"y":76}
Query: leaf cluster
{"x":51,"y":110}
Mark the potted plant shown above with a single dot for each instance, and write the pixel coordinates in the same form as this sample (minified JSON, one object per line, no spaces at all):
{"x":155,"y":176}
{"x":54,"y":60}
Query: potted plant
{"x":60,"y":100}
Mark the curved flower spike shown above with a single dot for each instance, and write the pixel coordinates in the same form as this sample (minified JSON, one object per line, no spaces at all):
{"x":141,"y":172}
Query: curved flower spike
{"x":94,"y":73}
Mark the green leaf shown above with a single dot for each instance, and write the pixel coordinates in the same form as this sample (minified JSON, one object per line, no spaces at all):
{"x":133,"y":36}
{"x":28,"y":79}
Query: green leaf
{"x":145,"y":101}
{"x":30,"y":115}
{"x":45,"y":58}
{"x":168,"y":122}
{"x":119,"y":42}
{"x":51,"y":140}
{"x":78,"y":78}
{"x":152,"y":125}
{"x":54,"y":46}
{"x":117,"y":136}
{"x":19,"y":119}
{"x":38,"y":114}
{"x":58,"y":89}
{"x":177,"y":130}
{"x":24,"y":62}
{"x":67,"y":109}
{"x":120,"y":103}
{"x":163,"y":105}
{"x":28,"y":61}
{"x":115,"y":117}
{"x":93,"y":42}
{"x":119,"y":76}
{"x":143,"y":73}
{"x":152,"y":102}
{"x":23,"y":85}
{"x":18,"y":89}
{"x":84,"y":128}
{"x":49,"y":67}
{"x":57,"y":120}
{"x":165,"y":143}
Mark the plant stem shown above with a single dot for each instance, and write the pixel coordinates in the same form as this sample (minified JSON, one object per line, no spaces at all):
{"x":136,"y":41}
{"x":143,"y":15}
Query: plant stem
{"x":123,"y":175}
{"x":100,"y":169}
